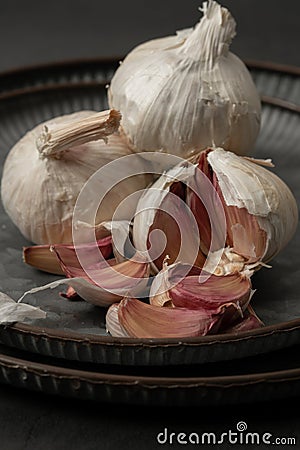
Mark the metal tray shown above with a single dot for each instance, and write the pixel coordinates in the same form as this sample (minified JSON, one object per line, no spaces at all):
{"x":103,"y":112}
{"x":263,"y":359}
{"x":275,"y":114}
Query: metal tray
{"x":75,"y":330}
{"x":248,"y":381}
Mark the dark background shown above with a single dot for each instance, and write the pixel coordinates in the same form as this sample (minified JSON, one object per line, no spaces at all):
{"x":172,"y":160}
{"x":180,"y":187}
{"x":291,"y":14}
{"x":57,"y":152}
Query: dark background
{"x":34,"y":32}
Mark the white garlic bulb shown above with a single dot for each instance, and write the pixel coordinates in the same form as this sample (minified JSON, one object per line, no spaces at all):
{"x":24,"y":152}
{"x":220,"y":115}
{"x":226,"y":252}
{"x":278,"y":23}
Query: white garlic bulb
{"x":181,"y":94}
{"x":45,"y":171}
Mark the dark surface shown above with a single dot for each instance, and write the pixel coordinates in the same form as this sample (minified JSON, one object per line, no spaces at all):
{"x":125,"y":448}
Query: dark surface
{"x":33,"y":32}
{"x":51,"y":423}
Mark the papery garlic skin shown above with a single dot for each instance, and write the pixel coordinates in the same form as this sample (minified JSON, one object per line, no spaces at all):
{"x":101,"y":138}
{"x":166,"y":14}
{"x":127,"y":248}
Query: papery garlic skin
{"x":247,"y":184}
{"x":39,"y":191}
{"x":181,"y":94}
{"x":151,"y":202}
{"x":113,"y":325}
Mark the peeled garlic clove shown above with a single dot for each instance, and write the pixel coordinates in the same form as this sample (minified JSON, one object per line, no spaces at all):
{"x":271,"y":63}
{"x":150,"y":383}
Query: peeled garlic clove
{"x":60,"y":155}
{"x":142,"y":320}
{"x":183,"y":93}
{"x":113,"y":325}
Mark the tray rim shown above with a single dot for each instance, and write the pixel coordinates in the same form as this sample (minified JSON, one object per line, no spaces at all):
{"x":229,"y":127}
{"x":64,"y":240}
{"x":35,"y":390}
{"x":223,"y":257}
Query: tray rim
{"x":211,"y":340}
{"x":252,"y":64}
{"x":266,"y":99}
{"x":223,"y":381}
{"x":72,"y":336}
{"x":267,"y":65}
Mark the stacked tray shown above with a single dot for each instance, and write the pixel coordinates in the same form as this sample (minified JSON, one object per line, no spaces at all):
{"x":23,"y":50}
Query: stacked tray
{"x":69,"y":353}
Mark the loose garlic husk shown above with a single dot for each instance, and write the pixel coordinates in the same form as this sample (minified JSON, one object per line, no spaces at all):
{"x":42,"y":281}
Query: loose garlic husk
{"x":184,"y":93}
{"x":46,"y":170}
{"x":249,"y":210}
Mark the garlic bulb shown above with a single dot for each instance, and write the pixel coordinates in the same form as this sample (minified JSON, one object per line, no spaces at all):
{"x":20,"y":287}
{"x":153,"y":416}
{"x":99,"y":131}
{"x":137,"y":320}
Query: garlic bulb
{"x":184,"y":93}
{"x":45,"y":171}
{"x":242,"y":214}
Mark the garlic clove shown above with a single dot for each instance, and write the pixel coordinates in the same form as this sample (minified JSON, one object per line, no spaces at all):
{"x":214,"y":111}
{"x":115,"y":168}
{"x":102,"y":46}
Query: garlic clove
{"x":247,"y":187}
{"x":113,"y":325}
{"x":162,"y":208}
{"x":68,"y":253}
{"x":180,"y":286}
{"x":174,"y":220}
{"x":159,"y":290}
{"x":244,"y":235}
{"x":142,"y":320}
{"x":104,"y":282}
{"x":44,"y":258}
{"x":102,"y":287}
{"x":213,"y":293}
{"x":111,"y":285}
{"x":242,"y":213}
{"x":121,"y":234}
{"x":92,"y":293}
{"x":250,"y":321}
{"x":203,"y":199}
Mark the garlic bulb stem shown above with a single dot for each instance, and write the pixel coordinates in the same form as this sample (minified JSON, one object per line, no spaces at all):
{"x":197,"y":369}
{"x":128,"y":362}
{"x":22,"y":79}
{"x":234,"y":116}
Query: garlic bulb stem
{"x":212,"y":35}
{"x":54,"y":142}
